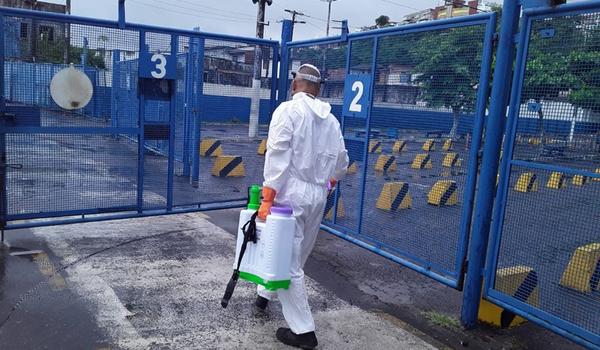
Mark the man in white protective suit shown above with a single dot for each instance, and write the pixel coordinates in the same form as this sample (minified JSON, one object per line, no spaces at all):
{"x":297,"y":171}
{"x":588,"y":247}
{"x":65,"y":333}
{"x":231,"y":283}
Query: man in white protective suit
{"x":305,"y":155}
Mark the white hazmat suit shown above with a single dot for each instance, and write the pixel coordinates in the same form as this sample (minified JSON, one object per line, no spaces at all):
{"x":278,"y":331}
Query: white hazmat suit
{"x":305,"y":149}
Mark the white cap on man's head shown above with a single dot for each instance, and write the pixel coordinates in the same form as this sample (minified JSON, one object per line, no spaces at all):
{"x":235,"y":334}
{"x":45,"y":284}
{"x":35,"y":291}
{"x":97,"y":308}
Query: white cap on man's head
{"x":308,"y":72}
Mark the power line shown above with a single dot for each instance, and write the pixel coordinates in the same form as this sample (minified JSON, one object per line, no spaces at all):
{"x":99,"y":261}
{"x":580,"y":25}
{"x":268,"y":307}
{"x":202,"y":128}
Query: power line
{"x":187,"y":13}
{"x":216,"y":9}
{"x":201,"y":12}
{"x":401,"y":5}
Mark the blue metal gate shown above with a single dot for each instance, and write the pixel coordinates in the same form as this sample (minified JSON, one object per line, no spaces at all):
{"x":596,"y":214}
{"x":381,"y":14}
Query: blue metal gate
{"x":134,"y":150}
{"x":414,"y":145}
{"x":544,"y":260}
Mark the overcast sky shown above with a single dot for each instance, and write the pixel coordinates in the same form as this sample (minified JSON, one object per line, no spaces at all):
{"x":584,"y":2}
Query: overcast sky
{"x":238,"y":17}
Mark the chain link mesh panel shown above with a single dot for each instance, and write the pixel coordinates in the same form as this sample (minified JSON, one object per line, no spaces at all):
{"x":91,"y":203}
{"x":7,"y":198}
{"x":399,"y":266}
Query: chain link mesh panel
{"x":220,"y":86}
{"x":549,"y":228}
{"x":423,"y":118}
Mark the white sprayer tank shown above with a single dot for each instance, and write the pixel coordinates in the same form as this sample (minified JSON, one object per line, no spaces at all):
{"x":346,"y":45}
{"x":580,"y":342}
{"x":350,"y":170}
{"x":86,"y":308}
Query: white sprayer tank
{"x":268,"y":261}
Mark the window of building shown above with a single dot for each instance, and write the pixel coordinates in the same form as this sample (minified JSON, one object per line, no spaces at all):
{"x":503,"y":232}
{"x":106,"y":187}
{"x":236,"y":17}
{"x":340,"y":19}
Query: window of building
{"x":47,"y":33}
{"x":24,"y":30}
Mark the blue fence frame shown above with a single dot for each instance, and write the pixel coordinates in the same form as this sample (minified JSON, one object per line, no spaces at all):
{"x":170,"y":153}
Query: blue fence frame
{"x":453,"y":278}
{"x":13,"y":221}
{"x":474,"y":216}
{"x":556,"y":324}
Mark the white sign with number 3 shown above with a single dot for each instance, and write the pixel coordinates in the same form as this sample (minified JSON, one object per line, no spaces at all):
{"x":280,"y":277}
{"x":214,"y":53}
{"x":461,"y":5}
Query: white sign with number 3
{"x":160,"y":66}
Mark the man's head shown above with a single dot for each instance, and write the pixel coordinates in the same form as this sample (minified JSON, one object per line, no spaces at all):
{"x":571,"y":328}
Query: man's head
{"x":306,"y":79}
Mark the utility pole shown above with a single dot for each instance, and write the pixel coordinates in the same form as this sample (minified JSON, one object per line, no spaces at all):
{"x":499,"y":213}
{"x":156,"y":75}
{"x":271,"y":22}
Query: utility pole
{"x":294,"y":14}
{"x":67,"y":34}
{"x":328,"y":14}
{"x":257,"y":73}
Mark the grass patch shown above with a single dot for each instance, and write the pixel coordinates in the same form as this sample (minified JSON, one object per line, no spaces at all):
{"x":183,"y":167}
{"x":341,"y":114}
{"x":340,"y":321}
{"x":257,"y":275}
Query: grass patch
{"x":442,"y":320}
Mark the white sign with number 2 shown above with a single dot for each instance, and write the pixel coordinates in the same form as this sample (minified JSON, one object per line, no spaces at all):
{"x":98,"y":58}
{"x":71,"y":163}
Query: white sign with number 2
{"x":357,"y":87}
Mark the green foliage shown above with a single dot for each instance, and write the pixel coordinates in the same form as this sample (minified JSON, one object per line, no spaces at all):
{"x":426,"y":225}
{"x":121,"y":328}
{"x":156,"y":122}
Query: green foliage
{"x":448,"y":67}
{"x":54,"y":52}
{"x":382,"y":21}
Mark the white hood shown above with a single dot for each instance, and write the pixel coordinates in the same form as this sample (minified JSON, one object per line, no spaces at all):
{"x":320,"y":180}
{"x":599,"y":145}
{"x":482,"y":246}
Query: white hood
{"x":320,"y":108}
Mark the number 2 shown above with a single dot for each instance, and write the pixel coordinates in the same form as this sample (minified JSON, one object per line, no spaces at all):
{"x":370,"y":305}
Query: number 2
{"x":160,"y":66}
{"x":354,"y":105}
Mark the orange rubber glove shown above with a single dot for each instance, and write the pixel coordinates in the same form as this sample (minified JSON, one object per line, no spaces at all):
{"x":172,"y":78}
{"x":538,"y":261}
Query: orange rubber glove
{"x":267,"y":202}
{"x":332,"y":183}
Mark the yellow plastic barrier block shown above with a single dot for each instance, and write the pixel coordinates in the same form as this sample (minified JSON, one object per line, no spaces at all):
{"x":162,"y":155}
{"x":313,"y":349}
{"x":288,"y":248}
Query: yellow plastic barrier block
{"x":228,"y":166}
{"x":394,"y":196}
{"x":535,"y":141}
{"x":399,"y":146}
{"x":527,"y":183}
{"x":451,"y":160}
{"x":262,"y":148}
{"x":329,"y":206}
{"x":422,"y":161}
{"x":597,"y":172}
{"x":210,"y":148}
{"x":429,"y":145}
{"x":557,"y":180}
{"x":386,"y":163}
{"x":520,"y":282}
{"x":443,"y":193}
{"x":579,"y":180}
{"x":374,"y":146}
{"x":447,"y":145}
{"x":352,"y":168}
{"x":583,"y":271}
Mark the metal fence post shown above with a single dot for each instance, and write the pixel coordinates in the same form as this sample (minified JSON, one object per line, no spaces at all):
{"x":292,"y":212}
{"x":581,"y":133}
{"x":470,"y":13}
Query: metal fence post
{"x":187,"y":109}
{"x":197,"y":113}
{"x":489,"y":167}
{"x":3,"y":159}
{"x":141,"y":139}
{"x":287,"y":32}
{"x":172,"y":111}
{"x":116,"y":85}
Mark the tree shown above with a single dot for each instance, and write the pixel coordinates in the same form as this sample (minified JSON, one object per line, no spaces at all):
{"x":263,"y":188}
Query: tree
{"x":54,"y":51}
{"x":548,"y":71}
{"x":382,"y":21}
{"x":448,"y":66}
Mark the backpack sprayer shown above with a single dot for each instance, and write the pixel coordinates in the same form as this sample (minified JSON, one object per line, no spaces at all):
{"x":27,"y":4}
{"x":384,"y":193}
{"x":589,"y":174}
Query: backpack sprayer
{"x":263,"y":252}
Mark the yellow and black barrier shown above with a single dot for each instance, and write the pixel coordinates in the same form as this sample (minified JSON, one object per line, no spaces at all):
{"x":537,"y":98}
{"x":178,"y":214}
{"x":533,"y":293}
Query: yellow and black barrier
{"x":352,"y":168}
{"x":211,"y":148}
{"x":579,"y":180}
{"x":262,"y":148}
{"x":329,"y":206}
{"x":228,"y":166}
{"x":386,"y":163}
{"x":583,"y":271}
{"x":422,"y":161}
{"x":557,"y":180}
{"x":399,"y":146}
{"x":429,"y":145}
{"x":597,"y":172}
{"x":527,"y":183}
{"x":375,"y":147}
{"x":451,"y":160}
{"x":443,"y":193}
{"x":447,"y":145}
{"x":520,"y":282}
{"x":394,"y":196}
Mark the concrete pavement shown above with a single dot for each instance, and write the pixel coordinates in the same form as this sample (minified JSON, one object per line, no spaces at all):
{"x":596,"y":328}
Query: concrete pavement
{"x":156,"y":283}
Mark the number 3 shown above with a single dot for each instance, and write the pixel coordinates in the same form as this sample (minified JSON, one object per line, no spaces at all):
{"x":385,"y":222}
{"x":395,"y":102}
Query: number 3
{"x":160,"y":66}
{"x":354,"y":106}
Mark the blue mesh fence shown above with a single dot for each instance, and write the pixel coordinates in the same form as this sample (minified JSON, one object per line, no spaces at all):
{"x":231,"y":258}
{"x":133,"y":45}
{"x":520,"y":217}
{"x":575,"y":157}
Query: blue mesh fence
{"x":89,"y":160}
{"x":547,"y":226}
{"x":412,"y":168}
